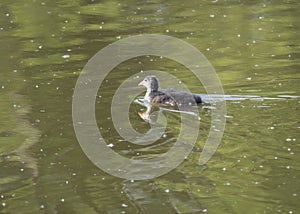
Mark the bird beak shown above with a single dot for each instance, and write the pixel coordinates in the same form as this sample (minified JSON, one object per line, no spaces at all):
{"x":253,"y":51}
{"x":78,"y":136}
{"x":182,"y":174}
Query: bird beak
{"x":141,"y":83}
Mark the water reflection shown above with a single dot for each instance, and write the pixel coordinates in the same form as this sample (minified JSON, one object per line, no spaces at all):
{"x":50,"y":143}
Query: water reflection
{"x":152,"y":112}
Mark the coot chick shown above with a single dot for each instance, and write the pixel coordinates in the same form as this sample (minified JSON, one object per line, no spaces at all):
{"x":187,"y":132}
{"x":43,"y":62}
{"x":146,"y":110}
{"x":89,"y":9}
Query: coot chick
{"x":170,"y":96}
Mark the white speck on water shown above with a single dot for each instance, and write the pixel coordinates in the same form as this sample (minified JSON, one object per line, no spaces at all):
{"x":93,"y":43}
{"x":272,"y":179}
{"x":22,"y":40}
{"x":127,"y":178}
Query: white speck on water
{"x":3,"y":204}
{"x":208,"y":49}
{"x":2,"y":196}
{"x":118,"y":37}
{"x":248,"y":78}
{"x":239,"y":35}
{"x":124,"y":205}
{"x":40,"y":47}
{"x":2,"y":87}
{"x":22,"y":170}
{"x":261,"y":166}
{"x":227,"y":184}
{"x":42,"y":206}
{"x":167,"y":190}
{"x":167,"y":31}
{"x":288,"y":139}
{"x":164,"y":136}
{"x":212,"y":15}
{"x":256,"y":65}
{"x":288,"y":167}
{"x":110,"y":145}
{"x":14,"y":106}
{"x":73,"y":173}
{"x":66,"y":56}
{"x":260,"y":28}
{"x":7,"y":14}
{"x":36,"y":86}
{"x":204,"y":210}
{"x":275,"y":157}
{"x":42,"y":110}
{"x":37,"y":120}
{"x":62,"y":200}
{"x":67,"y":182}
{"x":224,"y":169}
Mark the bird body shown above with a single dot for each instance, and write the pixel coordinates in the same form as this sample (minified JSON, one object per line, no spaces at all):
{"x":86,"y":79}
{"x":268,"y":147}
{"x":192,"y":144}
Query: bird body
{"x":170,"y":96}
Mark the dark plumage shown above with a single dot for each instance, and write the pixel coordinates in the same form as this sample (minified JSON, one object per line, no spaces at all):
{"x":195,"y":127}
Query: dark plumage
{"x":171,"y":97}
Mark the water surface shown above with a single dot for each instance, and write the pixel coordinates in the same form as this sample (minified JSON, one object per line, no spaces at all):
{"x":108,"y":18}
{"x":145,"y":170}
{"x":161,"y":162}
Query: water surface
{"x":254,"y":48}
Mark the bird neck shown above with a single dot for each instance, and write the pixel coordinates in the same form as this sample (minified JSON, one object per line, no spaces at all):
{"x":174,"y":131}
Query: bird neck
{"x":149,"y":90}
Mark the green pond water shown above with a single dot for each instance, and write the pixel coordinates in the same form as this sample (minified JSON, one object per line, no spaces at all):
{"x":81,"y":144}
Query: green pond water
{"x":254,"y":47}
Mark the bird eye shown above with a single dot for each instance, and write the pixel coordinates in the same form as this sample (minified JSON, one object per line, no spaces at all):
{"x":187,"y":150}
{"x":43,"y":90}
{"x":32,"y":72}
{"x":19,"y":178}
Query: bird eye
{"x":145,"y":80}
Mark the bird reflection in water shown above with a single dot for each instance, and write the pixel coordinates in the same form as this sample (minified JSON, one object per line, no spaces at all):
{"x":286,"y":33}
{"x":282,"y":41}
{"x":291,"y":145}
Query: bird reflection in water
{"x":153,"y":110}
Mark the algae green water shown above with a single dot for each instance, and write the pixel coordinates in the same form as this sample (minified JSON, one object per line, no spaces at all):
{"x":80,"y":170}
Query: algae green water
{"x":254,"y":48}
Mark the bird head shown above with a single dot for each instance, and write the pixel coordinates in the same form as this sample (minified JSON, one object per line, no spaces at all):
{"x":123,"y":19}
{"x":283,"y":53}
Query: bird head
{"x":150,"y":82}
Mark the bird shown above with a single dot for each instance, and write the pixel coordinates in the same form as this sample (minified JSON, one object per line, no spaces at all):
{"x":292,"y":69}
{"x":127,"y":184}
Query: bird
{"x":170,"y":97}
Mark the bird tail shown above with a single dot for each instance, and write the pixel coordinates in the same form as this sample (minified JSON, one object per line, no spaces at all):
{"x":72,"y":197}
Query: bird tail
{"x":197,"y":98}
